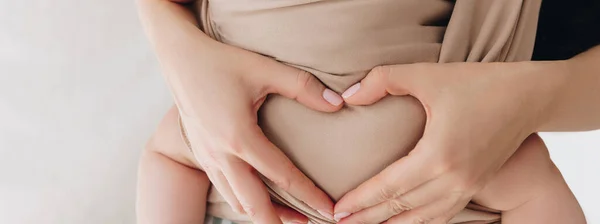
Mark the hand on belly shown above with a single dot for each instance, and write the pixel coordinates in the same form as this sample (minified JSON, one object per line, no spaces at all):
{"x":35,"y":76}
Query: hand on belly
{"x":340,"y":150}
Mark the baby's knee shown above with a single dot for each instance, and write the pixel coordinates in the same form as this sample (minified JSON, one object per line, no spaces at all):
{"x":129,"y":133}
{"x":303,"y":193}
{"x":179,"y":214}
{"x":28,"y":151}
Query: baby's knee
{"x":167,"y":140}
{"x":541,"y":188}
{"x":163,"y":134}
{"x":533,"y":158}
{"x":532,"y":166}
{"x":527,"y":174}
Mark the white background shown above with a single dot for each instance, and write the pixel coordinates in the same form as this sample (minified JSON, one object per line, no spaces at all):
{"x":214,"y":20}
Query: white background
{"x":80,"y":93}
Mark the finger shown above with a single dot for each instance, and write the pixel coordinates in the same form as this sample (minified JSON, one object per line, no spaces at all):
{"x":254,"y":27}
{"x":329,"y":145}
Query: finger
{"x":379,"y":213}
{"x":371,"y":89}
{"x":272,"y":163}
{"x":420,"y":196}
{"x":450,"y":214}
{"x":436,"y":211}
{"x":304,"y":87}
{"x":220,"y":183}
{"x":288,"y":215}
{"x":395,"y":180}
{"x":395,"y":80}
{"x":250,"y":191}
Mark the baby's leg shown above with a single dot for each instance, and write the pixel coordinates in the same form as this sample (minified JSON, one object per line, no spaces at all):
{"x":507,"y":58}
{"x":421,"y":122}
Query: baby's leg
{"x":170,"y":187}
{"x":530,"y":189}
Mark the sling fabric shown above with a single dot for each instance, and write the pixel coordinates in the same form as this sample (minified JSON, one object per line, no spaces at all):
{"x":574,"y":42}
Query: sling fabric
{"x":340,"y":41}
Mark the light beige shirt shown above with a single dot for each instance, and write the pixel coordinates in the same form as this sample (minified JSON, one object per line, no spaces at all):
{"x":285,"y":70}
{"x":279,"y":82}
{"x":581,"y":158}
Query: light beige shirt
{"x":339,"y":41}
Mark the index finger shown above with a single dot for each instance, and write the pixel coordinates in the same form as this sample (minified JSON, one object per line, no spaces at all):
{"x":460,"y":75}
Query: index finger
{"x":250,"y":191}
{"x":395,"y":180}
{"x":272,"y":163}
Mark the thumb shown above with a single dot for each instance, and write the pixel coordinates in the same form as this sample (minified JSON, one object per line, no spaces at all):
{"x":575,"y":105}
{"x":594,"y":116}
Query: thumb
{"x":304,"y":87}
{"x":369,"y":90}
{"x":397,"y":80}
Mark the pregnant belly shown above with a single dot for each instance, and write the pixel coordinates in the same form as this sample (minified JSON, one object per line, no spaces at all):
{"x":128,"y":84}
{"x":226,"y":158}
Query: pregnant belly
{"x":340,"y":150}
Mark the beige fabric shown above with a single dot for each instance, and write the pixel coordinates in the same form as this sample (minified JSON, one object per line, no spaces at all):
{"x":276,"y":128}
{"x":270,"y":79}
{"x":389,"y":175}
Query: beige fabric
{"x":339,"y":41}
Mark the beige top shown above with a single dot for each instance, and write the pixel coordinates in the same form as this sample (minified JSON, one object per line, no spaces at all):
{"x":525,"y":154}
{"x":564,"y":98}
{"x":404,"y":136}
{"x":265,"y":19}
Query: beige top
{"x":339,"y":41}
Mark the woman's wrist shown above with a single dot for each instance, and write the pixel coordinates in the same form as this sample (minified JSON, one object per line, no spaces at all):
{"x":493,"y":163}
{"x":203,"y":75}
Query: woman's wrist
{"x":538,"y":86}
{"x":182,"y":49}
{"x":550,"y":90}
{"x":574,"y":104}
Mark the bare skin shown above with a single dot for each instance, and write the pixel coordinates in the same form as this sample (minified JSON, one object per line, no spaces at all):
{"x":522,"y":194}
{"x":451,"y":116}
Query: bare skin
{"x":527,"y":189}
{"x":196,"y":67}
{"x":172,"y":188}
{"x":477,"y":116}
{"x":201,"y":71}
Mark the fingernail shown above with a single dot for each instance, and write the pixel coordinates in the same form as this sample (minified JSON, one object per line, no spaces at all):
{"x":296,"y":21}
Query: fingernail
{"x":339,"y":216}
{"x":332,"y":97}
{"x":326,"y":214}
{"x":351,"y":91}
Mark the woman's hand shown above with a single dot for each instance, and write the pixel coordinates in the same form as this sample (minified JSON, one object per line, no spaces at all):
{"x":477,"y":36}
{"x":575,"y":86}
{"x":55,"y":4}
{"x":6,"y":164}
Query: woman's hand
{"x":477,"y":116}
{"x":218,"y":89}
{"x":219,"y":105}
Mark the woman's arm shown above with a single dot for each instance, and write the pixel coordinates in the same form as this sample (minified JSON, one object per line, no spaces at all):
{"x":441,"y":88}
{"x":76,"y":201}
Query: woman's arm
{"x":218,"y":90}
{"x":477,"y":116}
{"x":574,"y":103}
{"x":173,"y":31}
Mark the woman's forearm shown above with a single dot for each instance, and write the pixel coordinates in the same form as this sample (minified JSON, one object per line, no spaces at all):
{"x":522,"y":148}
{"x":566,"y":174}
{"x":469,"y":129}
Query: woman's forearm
{"x":171,"y":28}
{"x":576,"y":99}
{"x":183,"y":50}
